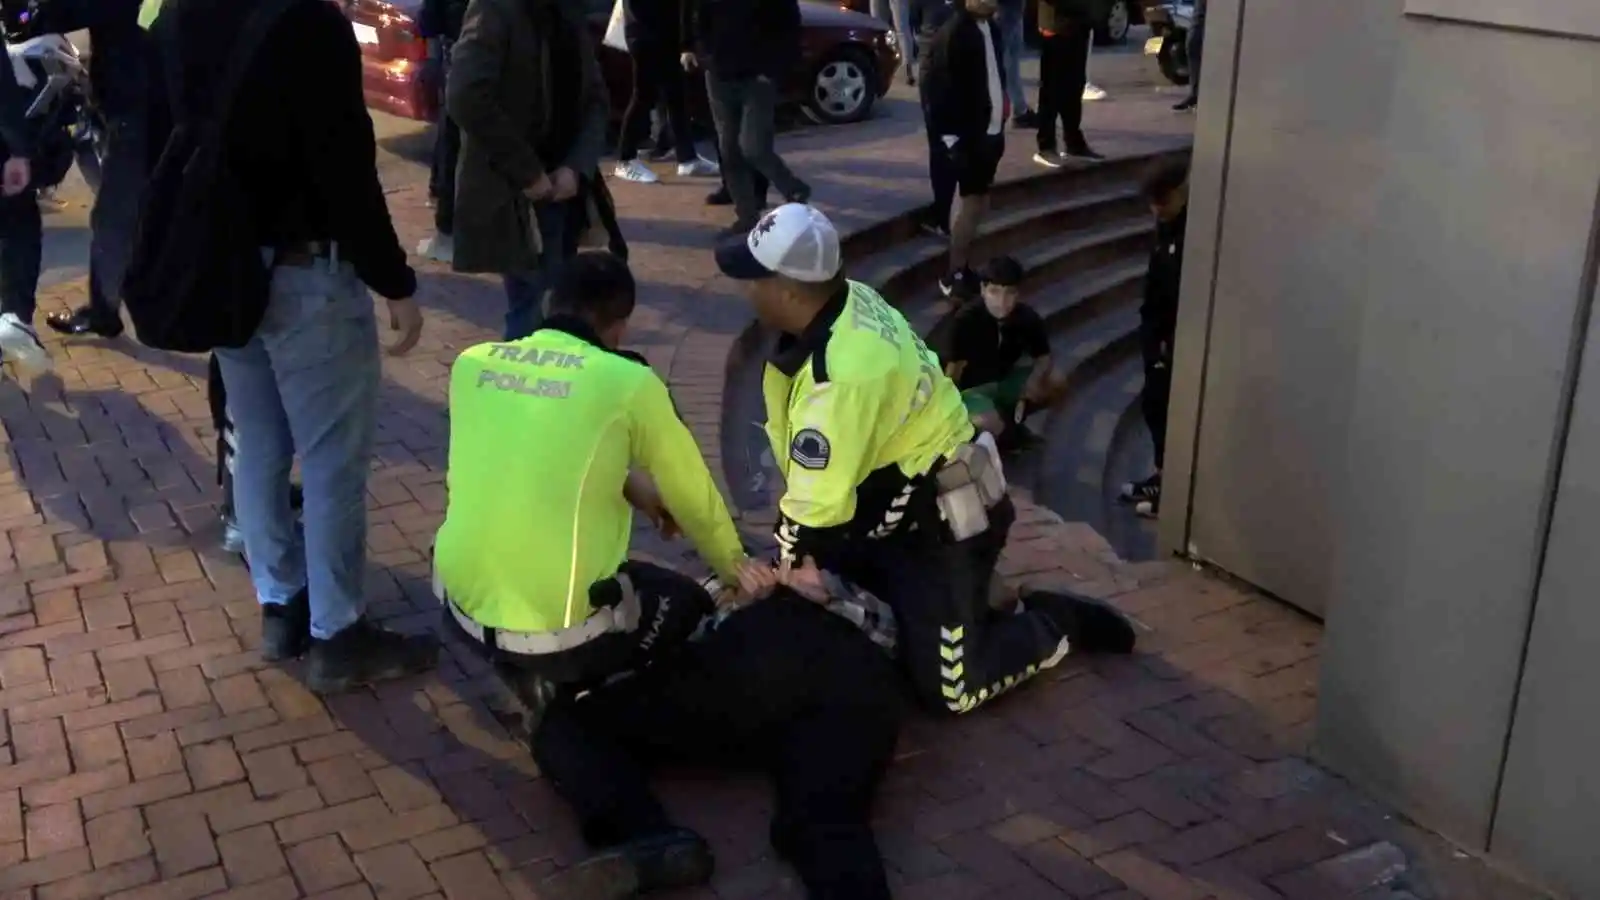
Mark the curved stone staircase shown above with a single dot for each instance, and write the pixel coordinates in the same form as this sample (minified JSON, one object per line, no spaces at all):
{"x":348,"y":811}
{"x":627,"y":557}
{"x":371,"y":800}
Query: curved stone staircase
{"x":1083,"y":236}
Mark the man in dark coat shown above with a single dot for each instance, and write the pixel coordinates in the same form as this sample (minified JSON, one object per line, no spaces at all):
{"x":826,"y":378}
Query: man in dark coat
{"x":526,"y":89}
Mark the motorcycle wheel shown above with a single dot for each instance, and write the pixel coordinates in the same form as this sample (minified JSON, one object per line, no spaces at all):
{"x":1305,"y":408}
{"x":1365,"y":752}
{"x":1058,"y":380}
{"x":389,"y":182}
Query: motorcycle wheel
{"x":1173,"y":57}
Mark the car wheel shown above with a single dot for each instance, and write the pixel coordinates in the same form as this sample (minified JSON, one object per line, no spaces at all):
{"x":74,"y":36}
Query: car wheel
{"x":1116,"y":26}
{"x":843,"y":88}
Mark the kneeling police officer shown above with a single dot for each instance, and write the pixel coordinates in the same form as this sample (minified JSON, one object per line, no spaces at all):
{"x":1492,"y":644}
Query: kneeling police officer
{"x":887,"y":483}
{"x":531,"y":561}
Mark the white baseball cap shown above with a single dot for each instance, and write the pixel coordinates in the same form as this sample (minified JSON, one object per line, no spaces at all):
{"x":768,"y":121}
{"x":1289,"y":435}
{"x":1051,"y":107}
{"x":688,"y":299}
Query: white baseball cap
{"x":795,"y":240}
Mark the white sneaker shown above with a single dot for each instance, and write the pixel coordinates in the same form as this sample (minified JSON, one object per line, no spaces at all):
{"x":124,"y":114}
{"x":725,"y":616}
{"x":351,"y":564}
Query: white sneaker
{"x":1093,"y":92}
{"x":635,"y":171}
{"x":440,"y":248}
{"x":1049,"y":160}
{"x":18,"y":341}
{"x":701,"y":167}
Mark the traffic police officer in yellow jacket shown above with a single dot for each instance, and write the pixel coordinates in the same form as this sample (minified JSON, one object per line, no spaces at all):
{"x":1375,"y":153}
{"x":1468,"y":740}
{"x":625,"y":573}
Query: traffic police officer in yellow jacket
{"x":531,"y":561}
{"x":886,"y":482}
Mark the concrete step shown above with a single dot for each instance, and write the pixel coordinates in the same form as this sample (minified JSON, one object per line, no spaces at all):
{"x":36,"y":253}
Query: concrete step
{"x":1041,"y":185}
{"x":906,"y":269}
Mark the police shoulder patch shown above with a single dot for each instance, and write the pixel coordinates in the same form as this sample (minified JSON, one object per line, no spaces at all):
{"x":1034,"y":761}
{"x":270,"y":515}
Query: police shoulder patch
{"x":810,"y":449}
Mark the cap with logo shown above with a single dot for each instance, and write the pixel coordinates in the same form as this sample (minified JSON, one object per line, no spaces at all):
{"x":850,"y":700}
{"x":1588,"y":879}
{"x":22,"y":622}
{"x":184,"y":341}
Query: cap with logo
{"x":795,"y":241}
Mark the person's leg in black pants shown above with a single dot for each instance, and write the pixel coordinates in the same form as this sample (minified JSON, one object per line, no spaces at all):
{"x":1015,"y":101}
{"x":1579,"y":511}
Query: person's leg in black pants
{"x":446,"y":151}
{"x":112,"y":223}
{"x":21,"y":246}
{"x":1195,"y":48}
{"x":727,"y":111}
{"x":1156,"y":344}
{"x":647,"y":80}
{"x":758,"y":139}
{"x":942,"y":176}
{"x":1074,"y":74}
{"x":956,"y":655}
{"x":781,"y":686}
{"x":1049,"y":109}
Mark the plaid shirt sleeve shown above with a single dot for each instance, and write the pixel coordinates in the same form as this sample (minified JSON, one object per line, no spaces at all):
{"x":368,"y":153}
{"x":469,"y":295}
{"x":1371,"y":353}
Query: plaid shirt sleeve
{"x":863,"y":609}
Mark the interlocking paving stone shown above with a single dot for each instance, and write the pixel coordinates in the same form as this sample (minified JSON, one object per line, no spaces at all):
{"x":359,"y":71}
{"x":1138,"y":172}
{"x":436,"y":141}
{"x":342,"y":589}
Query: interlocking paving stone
{"x":146,"y":752}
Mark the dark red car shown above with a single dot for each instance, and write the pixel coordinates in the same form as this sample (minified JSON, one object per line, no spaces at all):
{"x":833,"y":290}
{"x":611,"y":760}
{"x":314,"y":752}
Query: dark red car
{"x":849,"y":60}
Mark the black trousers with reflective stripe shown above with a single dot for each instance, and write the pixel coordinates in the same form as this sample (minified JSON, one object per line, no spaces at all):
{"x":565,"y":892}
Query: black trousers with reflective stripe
{"x":671,"y":607}
{"x":782,"y":687}
{"x":957,"y":652}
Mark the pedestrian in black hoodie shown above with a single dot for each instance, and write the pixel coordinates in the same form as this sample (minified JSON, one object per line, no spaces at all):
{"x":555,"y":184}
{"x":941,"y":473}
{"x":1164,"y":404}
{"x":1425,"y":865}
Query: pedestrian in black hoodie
{"x":964,"y":102}
{"x":1166,"y":188}
{"x":747,"y":48}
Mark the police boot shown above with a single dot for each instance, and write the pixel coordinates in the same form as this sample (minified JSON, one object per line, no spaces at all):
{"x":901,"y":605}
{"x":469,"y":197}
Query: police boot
{"x":1088,"y":625}
{"x":674,"y":859}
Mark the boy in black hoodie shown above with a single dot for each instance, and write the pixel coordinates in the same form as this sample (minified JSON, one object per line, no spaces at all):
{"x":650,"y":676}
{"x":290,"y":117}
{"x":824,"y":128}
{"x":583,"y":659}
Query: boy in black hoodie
{"x":1167,"y":190}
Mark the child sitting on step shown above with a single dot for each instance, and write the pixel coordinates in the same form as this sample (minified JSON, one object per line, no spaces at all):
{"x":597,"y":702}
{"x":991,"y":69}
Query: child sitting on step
{"x":999,"y":355}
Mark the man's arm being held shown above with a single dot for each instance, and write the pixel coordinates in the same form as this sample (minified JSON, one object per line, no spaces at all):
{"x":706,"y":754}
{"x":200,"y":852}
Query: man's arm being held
{"x":663,"y":447}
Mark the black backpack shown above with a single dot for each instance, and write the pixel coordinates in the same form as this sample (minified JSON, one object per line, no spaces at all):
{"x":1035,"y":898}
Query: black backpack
{"x":196,"y":280}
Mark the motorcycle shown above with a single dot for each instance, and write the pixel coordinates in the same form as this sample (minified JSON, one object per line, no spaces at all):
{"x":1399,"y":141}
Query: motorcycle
{"x":67,"y":123}
{"x":1170,"y":24}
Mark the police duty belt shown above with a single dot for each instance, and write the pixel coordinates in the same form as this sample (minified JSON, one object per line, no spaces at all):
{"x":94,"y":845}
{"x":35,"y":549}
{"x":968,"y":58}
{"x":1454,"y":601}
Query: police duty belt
{"x":622,"y":617}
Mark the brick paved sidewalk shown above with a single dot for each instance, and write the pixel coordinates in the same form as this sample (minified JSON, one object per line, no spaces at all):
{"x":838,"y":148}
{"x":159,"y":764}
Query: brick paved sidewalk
{"x":145,"y":752}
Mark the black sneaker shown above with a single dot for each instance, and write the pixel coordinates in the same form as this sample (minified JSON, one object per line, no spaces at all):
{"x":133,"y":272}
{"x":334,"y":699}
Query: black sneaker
{"x":364,"y":654}
{"x":83,"y":320}
{"x":675,"y":859}
{"x":1138,"y":491}
{"x":719,"y":197}
{"x":801,"y":194}
{"x":933,"y":228}
{"x":286,"y":628}
{"x":1026,"y":120}
{"x":1186,"y":104}
{"x":1083,"y":151}
{"x":1088,"y":625}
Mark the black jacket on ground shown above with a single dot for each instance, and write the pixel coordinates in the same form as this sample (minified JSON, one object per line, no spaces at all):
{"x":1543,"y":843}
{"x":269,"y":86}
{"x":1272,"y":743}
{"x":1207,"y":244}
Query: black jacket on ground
{"x":955,"y":79}
{"x":1159,"y":314}
{"x":744,"y":38}
{"x":298,"y":133}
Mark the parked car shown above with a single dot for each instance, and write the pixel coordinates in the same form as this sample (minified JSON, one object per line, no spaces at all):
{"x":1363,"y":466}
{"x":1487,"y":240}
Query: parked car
{"x":849,"y":61}
{"x":1121,"y":15}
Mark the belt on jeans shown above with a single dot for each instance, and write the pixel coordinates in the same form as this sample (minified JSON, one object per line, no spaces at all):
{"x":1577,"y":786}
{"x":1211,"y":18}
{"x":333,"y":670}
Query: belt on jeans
{"x":303,"y":254}
{"x":622,"y":617}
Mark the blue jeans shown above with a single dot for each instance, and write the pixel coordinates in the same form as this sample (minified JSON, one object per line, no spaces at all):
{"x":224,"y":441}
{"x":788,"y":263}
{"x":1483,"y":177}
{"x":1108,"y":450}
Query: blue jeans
{"x":525,"y":290}
{"x":307,"y":382}
{"x":1011,"y":44}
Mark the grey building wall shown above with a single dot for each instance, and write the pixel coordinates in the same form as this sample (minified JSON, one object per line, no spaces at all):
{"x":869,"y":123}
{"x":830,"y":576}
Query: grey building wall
{"x":1388,"y":273}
